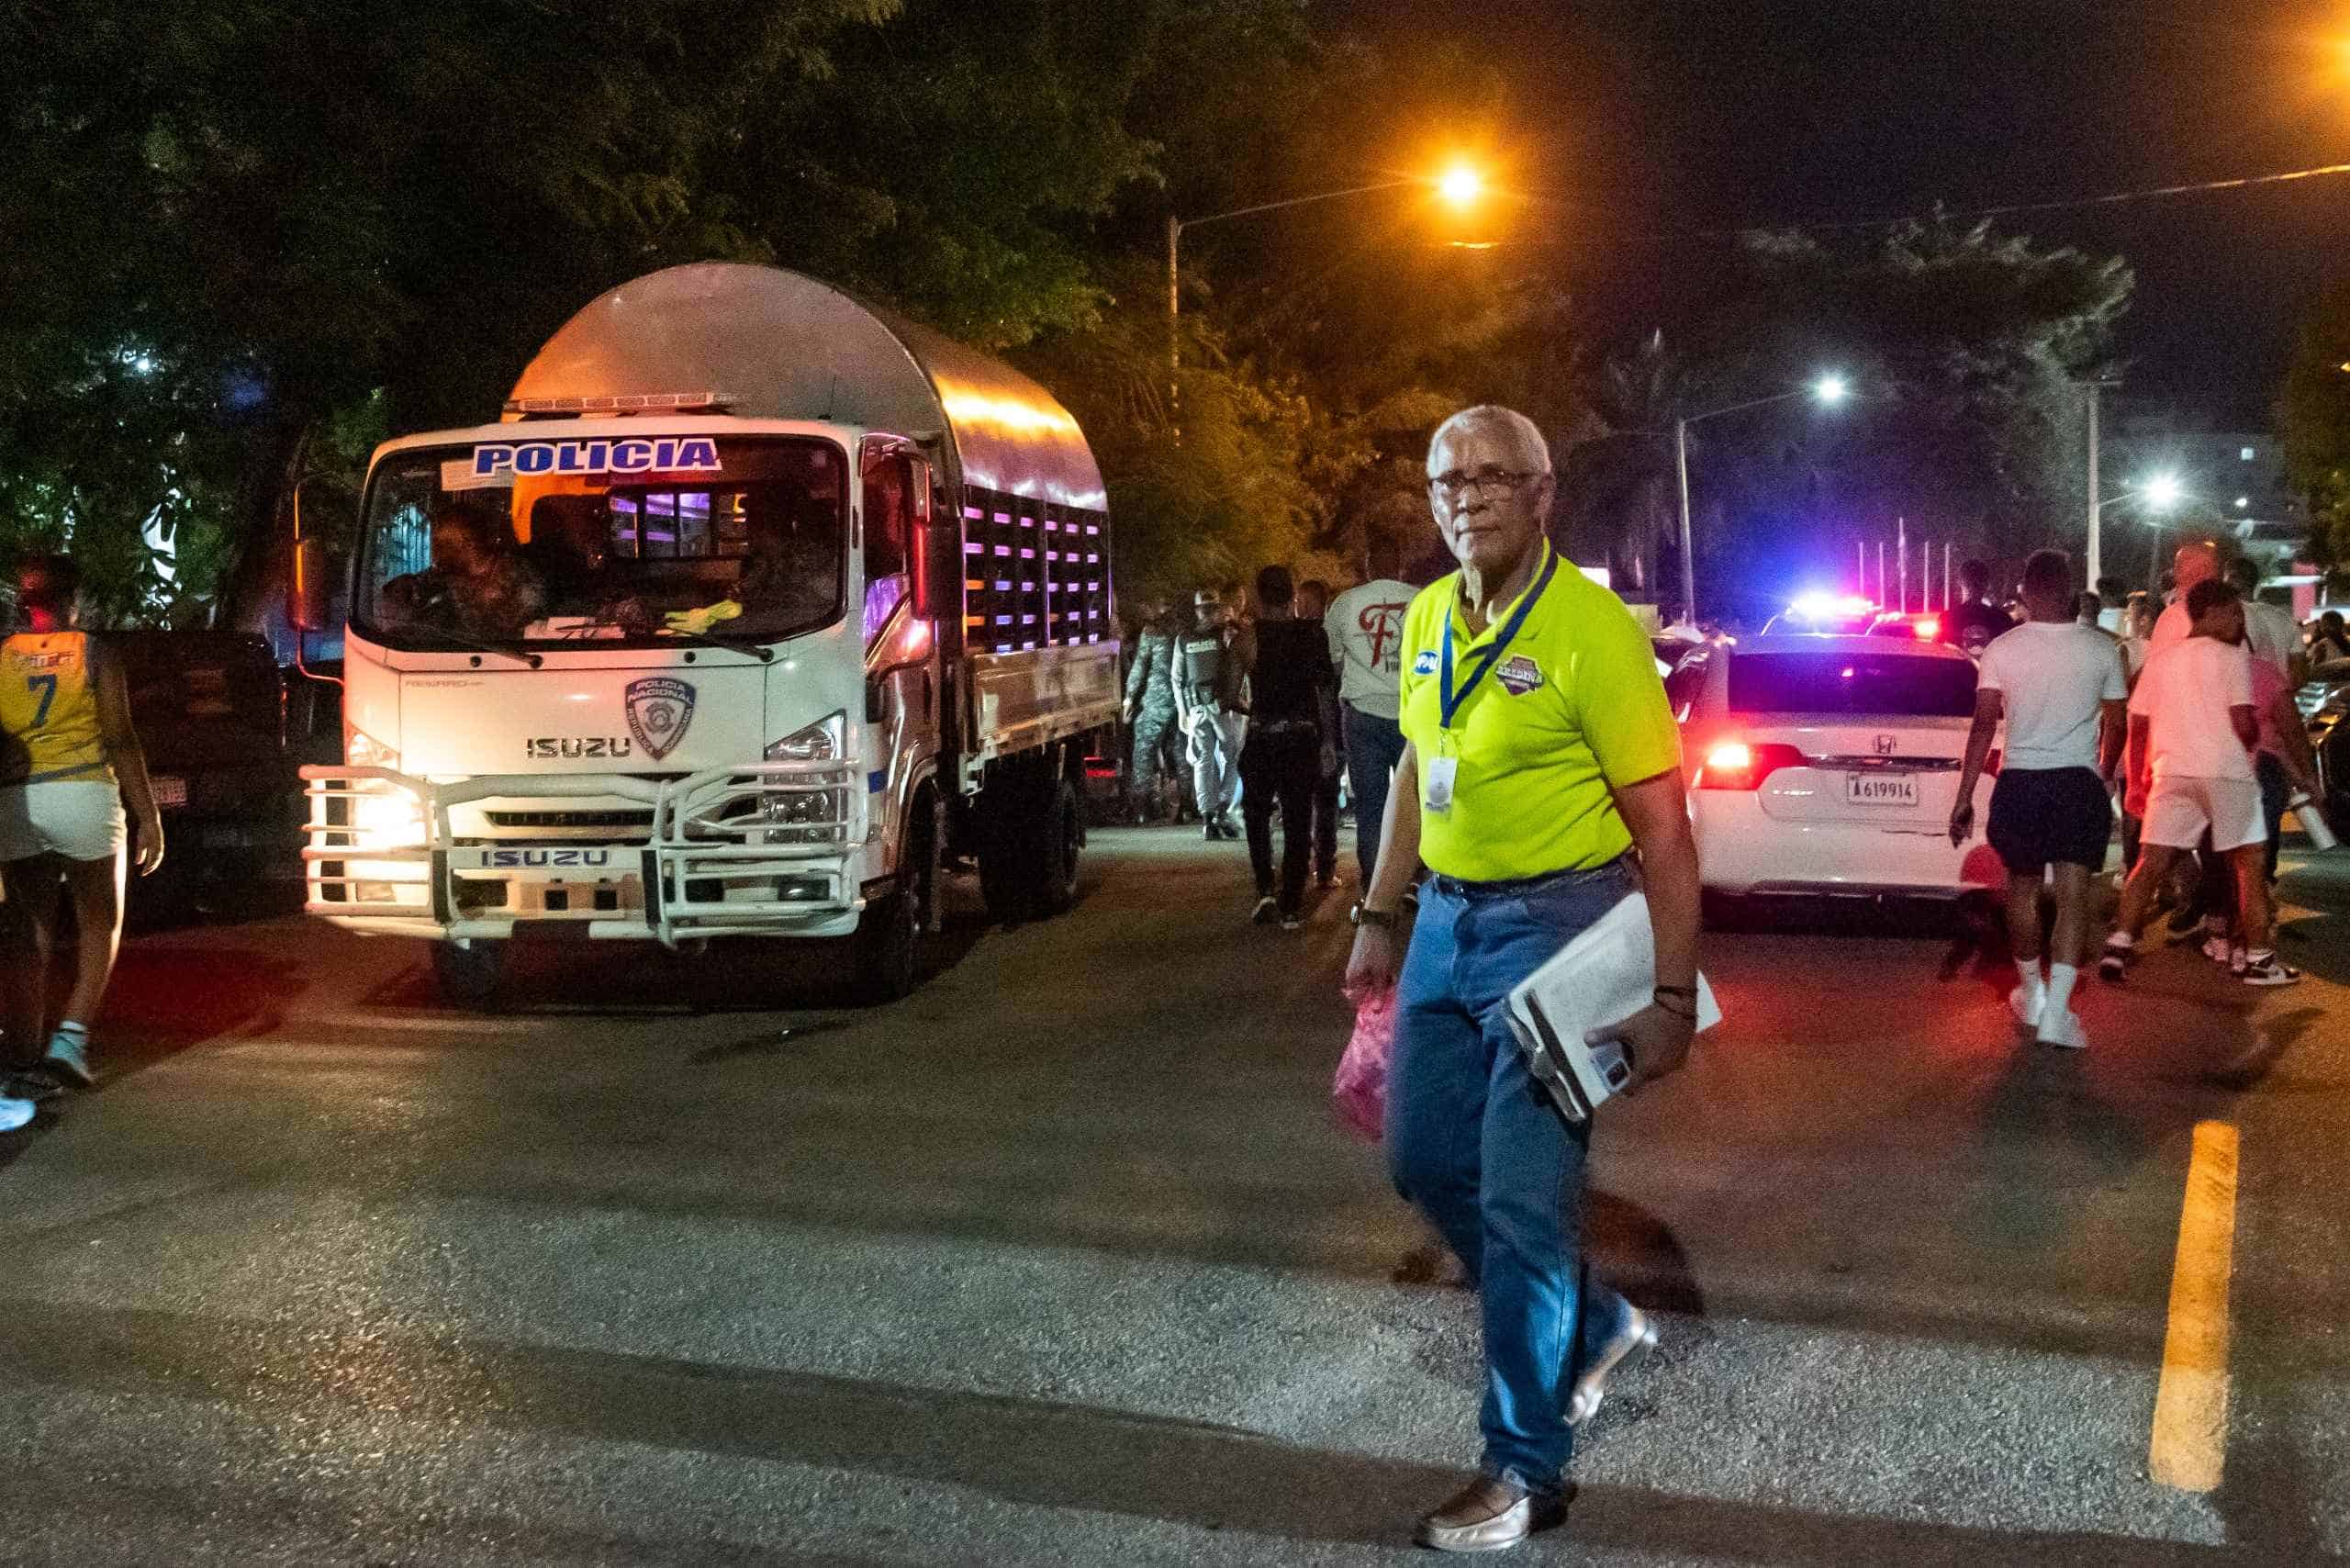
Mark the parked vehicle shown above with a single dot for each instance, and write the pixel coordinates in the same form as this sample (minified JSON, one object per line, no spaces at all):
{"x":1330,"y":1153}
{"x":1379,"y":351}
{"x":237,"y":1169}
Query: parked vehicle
{"x":209,"y":709}
{"x":2324,"y":703}
{"x":1827,"y":767}
{"x":827,"y":599}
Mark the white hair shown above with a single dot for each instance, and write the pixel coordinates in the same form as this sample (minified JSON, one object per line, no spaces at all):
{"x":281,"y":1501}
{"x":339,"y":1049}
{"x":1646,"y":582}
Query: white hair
{"x":1524,"y":430}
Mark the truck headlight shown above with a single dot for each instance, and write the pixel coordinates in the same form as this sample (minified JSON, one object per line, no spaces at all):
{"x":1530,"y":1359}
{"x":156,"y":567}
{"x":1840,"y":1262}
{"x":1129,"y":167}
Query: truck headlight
{"x":387,"y":818}
{"x":823,"y":740}
{"x":362,"y":750}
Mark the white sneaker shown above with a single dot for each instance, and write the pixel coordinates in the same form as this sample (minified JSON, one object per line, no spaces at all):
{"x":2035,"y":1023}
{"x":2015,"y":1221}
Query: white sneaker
{"x":2263,"y":969}
{"x":14,"y":1114}
{"x":2063,"y":1030}
{"x":2025,"y":1008}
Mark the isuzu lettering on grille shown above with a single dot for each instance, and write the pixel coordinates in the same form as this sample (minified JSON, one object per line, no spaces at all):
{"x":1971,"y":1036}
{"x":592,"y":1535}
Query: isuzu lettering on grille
{"x":576,"y":746}
{"x":536,"y":858}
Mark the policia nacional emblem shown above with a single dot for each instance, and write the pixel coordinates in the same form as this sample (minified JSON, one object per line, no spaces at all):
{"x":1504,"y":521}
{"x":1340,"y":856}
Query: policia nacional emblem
{"x":659,"y":709}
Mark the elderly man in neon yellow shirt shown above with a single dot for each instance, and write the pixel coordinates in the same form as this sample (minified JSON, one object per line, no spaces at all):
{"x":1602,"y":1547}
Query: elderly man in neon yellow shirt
{"x":1541,"y":783}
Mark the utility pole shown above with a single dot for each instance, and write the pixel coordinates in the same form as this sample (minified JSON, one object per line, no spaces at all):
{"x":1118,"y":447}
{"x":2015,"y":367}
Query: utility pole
{"x":1688,"y":550}
{"x":2096,"y":396}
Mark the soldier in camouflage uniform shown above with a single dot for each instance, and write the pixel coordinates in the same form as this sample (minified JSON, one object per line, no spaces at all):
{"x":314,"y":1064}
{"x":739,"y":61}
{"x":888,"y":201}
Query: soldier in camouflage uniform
{"x":1150,"y":708}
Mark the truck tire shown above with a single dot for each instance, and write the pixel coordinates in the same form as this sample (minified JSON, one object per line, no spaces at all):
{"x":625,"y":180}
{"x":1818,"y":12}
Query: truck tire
{"x":469,"y":976}
{"x":1006,"y":882}
{"x":1060,"y":835}
{"x":888,"y":941}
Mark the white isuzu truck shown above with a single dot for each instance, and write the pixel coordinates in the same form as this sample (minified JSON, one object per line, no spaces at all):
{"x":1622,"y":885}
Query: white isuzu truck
{"x":757,"y":605}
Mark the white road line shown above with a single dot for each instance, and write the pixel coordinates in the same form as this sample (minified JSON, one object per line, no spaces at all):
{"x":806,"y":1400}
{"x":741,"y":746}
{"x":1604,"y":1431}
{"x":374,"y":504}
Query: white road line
{"x":2191,"y":1441}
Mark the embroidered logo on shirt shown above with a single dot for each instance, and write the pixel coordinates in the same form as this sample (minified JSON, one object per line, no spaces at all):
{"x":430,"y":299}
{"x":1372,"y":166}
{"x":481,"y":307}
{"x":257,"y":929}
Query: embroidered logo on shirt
{"x":1518,"y":675}
{"x":1424,"y":662}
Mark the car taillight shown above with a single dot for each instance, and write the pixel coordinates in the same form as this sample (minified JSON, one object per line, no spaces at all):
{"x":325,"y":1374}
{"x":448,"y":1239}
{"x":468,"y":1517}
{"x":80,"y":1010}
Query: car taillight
{"x":1929,"y":627}
{"x":1735,"y":765}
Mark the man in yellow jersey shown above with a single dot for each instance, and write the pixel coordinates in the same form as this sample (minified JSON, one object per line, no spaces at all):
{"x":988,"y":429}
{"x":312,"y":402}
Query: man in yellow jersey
{"x":1541,"y":783}
{"x":67,"y":757}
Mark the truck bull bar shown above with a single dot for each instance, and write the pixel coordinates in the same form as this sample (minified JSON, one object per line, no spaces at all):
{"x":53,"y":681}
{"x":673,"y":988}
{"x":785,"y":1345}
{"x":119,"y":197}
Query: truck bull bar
{"x":758,"y":848}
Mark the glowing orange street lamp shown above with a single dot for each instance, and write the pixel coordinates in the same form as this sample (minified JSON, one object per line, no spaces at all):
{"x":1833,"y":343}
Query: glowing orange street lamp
{"x":1461,"y":186}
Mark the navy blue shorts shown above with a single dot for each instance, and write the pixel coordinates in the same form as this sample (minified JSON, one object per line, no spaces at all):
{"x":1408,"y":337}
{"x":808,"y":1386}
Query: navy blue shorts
{"x":2042,"y":816}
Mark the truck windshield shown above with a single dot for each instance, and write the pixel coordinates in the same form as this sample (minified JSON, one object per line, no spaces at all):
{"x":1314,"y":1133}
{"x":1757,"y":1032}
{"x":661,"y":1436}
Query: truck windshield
{"x":611,"y":538}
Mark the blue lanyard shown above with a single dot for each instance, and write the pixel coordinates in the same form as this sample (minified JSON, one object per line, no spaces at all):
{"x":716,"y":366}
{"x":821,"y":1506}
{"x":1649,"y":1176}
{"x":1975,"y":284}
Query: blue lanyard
{"x":1450,"y":701}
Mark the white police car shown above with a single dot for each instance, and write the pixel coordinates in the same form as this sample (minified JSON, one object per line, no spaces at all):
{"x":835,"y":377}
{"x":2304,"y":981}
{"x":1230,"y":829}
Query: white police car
{"x":1825,"y":767}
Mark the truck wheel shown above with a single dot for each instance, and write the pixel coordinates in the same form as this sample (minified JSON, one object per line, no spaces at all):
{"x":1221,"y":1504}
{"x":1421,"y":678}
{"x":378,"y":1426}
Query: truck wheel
{"x":469,"y":976}
{"x":1060,"y":835}
{"x":889,"y":937}
{"x":1006,"y":879}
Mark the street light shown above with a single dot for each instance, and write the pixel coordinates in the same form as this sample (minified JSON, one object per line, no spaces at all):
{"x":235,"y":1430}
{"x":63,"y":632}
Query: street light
{"x":2160,"y":492}
{"x":1462,"y":186}
{"x":1828,"y":391}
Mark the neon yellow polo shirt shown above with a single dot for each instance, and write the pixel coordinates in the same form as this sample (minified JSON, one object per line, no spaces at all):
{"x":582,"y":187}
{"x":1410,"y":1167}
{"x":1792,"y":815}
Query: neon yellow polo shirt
{"x":1574,"y":708}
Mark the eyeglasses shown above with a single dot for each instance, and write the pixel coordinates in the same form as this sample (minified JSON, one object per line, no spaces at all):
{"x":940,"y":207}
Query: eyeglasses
{"x":1453,"y":484}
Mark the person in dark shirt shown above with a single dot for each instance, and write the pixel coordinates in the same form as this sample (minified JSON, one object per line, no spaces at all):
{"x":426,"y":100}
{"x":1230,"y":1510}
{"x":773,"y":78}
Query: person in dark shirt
{"x":1976,"y":619}
{"x":478,"y":585}
{"x":1314,"y":604}
{"x":1293,"y":725}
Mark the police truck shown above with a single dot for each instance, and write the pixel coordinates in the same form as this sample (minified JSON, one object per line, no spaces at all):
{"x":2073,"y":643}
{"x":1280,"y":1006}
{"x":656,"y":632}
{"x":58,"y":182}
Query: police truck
{"x":757,"y":605}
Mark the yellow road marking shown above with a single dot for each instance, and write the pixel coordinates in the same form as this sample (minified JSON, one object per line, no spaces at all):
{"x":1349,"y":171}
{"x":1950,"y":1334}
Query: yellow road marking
{"x":2190,"y":1442}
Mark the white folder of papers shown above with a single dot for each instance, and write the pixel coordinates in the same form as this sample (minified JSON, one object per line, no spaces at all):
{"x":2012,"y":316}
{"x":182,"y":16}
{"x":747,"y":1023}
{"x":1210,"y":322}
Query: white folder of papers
{"x":1603,"y":977}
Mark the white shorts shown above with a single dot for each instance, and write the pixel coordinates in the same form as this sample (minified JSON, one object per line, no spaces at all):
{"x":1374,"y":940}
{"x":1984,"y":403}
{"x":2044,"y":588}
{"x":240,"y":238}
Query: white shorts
{"x":78,"y":818}
{"x":2179,"y":810}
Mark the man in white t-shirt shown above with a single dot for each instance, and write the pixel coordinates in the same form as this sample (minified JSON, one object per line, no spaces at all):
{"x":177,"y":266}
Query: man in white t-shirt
{"x":2269,"y":630}
{"x":2198,"y":560}
{"x":1366,"y":629}
{"x":2058,"y":684}
{"x":2193,"y":729}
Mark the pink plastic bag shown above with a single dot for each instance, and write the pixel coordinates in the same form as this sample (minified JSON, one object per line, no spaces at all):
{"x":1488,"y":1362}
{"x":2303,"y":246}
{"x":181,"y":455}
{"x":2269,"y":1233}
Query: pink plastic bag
{"x":1358,"y":1094}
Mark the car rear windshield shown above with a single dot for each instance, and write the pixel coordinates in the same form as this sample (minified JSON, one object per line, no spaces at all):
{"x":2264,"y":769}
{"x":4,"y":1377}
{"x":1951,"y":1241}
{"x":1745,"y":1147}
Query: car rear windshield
{"x":1907,"y":684}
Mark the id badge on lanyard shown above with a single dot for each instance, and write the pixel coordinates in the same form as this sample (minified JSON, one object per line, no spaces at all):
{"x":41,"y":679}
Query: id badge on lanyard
{"x":1441,"y":773}
{"x":1437,"y":776}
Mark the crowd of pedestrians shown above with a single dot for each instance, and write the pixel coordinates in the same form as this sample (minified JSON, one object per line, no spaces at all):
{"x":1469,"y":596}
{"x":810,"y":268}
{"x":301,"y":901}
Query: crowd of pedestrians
{"x":2181,"y":715}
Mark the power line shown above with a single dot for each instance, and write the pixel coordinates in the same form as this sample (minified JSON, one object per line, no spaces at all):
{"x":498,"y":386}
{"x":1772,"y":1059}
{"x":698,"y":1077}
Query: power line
{"x":2064,"y":204}
{"x":2115,"y":198}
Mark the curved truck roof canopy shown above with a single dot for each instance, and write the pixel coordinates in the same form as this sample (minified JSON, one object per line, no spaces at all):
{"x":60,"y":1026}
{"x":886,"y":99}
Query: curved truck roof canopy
{"x":780,"y":345}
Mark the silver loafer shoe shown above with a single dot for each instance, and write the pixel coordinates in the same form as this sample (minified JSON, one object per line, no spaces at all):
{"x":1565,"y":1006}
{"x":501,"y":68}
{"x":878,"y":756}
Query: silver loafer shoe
{"x":1637,"y":1338}
{"x":1489,"y":1514}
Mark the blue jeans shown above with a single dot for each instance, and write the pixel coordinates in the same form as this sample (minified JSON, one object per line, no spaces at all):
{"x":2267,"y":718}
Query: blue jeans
{"x":1374,"y":745}
{"x":1474,"y":1144}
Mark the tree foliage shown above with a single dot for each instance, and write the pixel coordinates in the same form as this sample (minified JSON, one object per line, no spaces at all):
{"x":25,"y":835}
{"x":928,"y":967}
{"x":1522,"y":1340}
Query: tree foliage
{"x":250,"y":237}
{"x":2314,"y":418}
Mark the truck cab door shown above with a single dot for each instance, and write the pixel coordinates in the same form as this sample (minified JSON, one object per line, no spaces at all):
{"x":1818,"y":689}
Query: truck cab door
{"x":902,"y":695}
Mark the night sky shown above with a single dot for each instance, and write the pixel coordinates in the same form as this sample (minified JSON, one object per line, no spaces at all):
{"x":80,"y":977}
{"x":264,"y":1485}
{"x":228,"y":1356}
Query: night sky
{"x":1641,"y":117}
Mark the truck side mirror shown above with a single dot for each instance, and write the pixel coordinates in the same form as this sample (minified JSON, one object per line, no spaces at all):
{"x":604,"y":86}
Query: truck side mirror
{"x":309,"y":597}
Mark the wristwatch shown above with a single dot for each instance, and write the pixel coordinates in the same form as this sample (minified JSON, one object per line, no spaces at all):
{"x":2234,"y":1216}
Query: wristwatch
{"x":1362,"y":914}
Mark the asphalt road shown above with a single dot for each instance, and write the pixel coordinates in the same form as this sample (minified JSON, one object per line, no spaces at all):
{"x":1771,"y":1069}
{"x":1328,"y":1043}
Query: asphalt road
{"x":1062,"y":1262}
